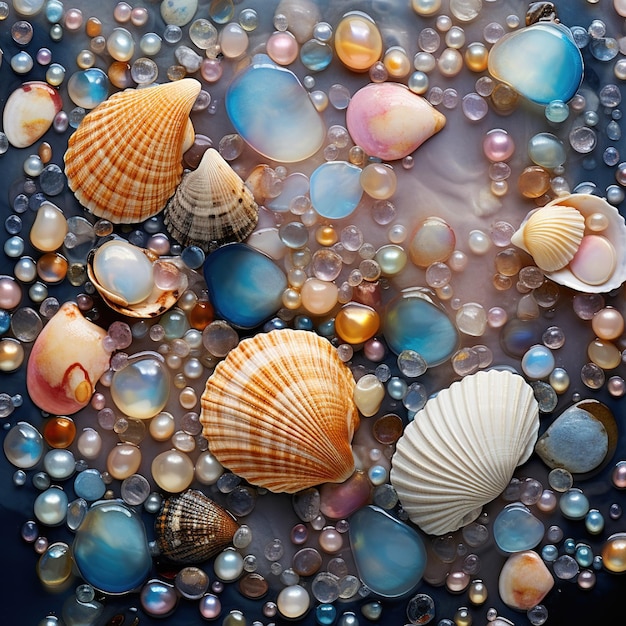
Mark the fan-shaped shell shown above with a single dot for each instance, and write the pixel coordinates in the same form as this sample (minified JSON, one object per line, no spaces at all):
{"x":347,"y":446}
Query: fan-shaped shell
{"x":211,"y":205}
{"x":551,"y":235}
{"x":278,"y":411}
{"x":124,"y":160}
{"x":191,"y":528}
{"x":461,"y":449}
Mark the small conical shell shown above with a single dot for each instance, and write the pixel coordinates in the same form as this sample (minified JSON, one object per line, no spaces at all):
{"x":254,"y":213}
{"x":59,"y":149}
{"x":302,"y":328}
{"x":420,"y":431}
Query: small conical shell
{"x":211,"y":205}
{"x":191,"y":528}
{"x":551,"y":235}
{"x":124,"y":161}
{"x":461,"y":449}
{"x":279,"y":412}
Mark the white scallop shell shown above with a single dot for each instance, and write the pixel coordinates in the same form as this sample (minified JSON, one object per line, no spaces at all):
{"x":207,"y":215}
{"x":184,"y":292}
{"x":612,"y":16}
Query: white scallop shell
{"x":461,"y":449}
{"x":587,"y":205}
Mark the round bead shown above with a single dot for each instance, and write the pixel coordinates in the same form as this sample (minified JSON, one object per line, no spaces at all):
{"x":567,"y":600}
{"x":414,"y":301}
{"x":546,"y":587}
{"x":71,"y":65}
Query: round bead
{"x":293,"y":601}
{"x":358,"y":42}
{"x":173,"y":471}
{"x":538,"y":362}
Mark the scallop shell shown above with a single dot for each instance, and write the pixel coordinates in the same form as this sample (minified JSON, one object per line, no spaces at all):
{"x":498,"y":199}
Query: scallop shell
{"x":211,"y":205}
{"x":191,"y":528}
{"x":160,"y":299}
{"x":551,"y":235}
{"x":615,"y":232}
{"x":124,"y":160}
{"x":278,"y":411}
{"x":461,"y":449}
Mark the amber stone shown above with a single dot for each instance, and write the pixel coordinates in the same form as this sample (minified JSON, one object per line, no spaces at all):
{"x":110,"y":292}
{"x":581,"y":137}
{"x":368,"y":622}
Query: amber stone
{"x":52,"y":267}
{"x":504,"y":99}
{"x":387,"y":429}
{"x":59,"y":432}
{"x":614,"y":553}
{"x":533,"y":182}
{"x":253,"y":586}
{"x":433,"y":240}
{"x":356,"y":323}
{"x":201,"y":315}
{"x":93,"y":27}
{"x":119,"y":75}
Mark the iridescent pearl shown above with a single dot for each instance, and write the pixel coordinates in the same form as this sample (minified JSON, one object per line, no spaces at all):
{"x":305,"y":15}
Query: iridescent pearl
{"x":173,"y":471}
{"x":293,"y":601}
{"x":150,"y":44}
{"x":228,"y":565}
{"x":391,"y":259}
{"x":476,"y":56}
{"x":121,"y":45}
{"x":614,"y":553}
{"x":330,"y":540}
{"x":162,"y":426}
{"x":574,"y":504}
{"x":210,"y":606}
{"x":59,"y":464}
{"x":378,"y":181}
{"x":358,"y":42}
{"x":538,"y":362}
{"x":426,"y":7}
{"x":89,"y":443}
{"x":73,"y":19}
{"x":50,"y":506}
{"x":559,"y":380}
{"x":158,"y":599}
{"x":123,"y":460}
{"x":450,"y":62}
{"x":595,"y":260}
{"x":396,"y":62}
{"x":498,"y":145}
{"x":282,"y":48}
{"x":207,"y":469}
{"x":10,"y":293}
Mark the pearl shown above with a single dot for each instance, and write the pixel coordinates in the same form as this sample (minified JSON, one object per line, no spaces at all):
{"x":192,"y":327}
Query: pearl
{"x":293,"y":601}
{"x":121,"y":45}
{"x":282,"y":48}
{"x":233,"y":41}
{"x":208,"y":469}
{"x":228,"y":565}
{"x":157,"y":598}
{"x":318,"y":297}
{"x":450,"y":62}
{"x":358,"y":42}
{"x":498,"y":145}
{"x":426,"y":7}
{"x":396,"y":62}
{"x":478,"y":242}
{"x":89,"y":443}
{"x":50,"y":507}
{"x":10,"y":293}
{"x":123,"y":460}
{"x":378,"y":181}
{"x":476,"y":56}
{"x":538,"y":362}
{"x":608,"y":323}
{"x":172,"y":471}
{"x":210,"y":607}
{"x":59,"y":464}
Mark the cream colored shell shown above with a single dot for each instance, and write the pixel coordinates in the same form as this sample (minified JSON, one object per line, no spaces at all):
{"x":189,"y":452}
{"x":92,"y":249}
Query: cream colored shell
{"x":461,"y":449}
{"x":278,"y":411}
{"x":124,"y":160}
{"x":212,"y":205}
{"x":551,"y":235}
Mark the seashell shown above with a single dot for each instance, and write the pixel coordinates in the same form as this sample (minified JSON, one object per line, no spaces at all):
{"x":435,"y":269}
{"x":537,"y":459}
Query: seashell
{"x":551,"y":236}
{"x":191,"y":528}
{"x":211,"y":205}
{"x":66,"y":361}
{"x":599,"y":264}
{"x":461,"y":449}
{"x":124,"y":160}
{"x":278,"y":411}
{"x":29,"y":112}
{"x":135,"y":282}
{"x":389,"y":122}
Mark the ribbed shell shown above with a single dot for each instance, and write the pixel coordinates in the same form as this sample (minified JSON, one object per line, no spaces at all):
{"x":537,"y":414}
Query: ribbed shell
{"x":461,"y":449}
{"x":191,"y":528}
{"x":278,"y":411}
{"x":551,"y":235}
{"x":124,"y":160}
{"x":211,"y":204}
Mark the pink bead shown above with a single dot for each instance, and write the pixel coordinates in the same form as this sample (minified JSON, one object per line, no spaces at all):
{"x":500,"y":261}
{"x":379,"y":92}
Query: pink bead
{"x":210,"y":606}
{"x":73,"y":19}
{"x":498,"y":145}
{"x":122,"y":12}
{"x":330,"y":540}
{"x":619,"y":475}
{"x":496,"y":317}
{"x":211,"y":70}
{"x":374,"y":350}
{"x":10,"y":293}
{"x":139,"y":16}
{"x":282,"y":48}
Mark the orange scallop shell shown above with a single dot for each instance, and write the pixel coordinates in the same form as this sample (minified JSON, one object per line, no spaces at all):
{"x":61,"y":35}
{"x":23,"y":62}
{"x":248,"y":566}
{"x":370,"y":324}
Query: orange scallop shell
{"x":124,"y":160}
{"x":279,"y":412}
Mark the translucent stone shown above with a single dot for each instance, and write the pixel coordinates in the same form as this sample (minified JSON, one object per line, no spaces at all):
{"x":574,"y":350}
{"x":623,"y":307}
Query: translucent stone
{"x":23,"y":445}
{"x":338,"y":501}
{"x":516,"y":529}
{"x":277,"y":89}
{"x":325,"y":587}
{"x":89,"y":485}
{"x":54,"y":567}
{"x":336,"y":189}
{"x":356,"y":323}
{"x":565,"y":567}
{"x":583,"y":139}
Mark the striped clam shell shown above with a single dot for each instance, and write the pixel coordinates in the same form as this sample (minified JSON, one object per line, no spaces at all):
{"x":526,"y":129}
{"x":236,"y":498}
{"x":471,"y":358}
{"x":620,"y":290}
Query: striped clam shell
{"x":191,"y":528}
{"x":212,"y":205}
{"x":279,"y":411}
{"x":124,"y":161}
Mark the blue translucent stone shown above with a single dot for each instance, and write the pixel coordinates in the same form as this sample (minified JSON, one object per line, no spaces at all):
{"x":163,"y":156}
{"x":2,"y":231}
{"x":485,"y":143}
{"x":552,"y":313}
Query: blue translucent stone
{"x":89,"y":485}
{"x":538,"y":362}
{"x":110,"y":548}
{"x":88,"y":88}
{"x":549,"y":553}
{"x":541,"y":62}
{"x":389,"y":555}
{"x":271,"y":110}
{"x":245,"y":286}
{"x":193,"y":257}
{"x":303,"y":322}
{"x":316,"y":55}
{"x":517,"y":336}
{"x":413,"y":322}
{"x":574,"y":504}
{"x":516,"y":529}
{"x":584,"y":555}
{"x":547,"y":150}
{"x":53,"y":10}
{"x":294,"y":185}
{"x":325,"y":614}
{"x":23,"y":445}
{"x":141,"y":389}
{"x":175,"y":324}
{"x":594,"y":522}
{"x":5,"y":322}
{"x":336,"y":189}
{"x":576,"y":441}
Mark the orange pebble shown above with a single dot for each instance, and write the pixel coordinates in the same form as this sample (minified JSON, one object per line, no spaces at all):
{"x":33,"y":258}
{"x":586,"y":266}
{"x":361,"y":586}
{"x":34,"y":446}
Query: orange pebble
{"x":59,"y":432}
{"x":201,"y":315}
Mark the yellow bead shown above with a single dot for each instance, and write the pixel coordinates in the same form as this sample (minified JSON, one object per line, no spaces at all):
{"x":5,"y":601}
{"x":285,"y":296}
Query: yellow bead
{"x":614,"y":553}
{"x":11,"y":354}
{"x":604,"y":354}
{"x":358,"y":42}
{"x":326,"y":236}
{"x":291,"y":298}
{"x":476,"y":56}
{"x":356,"y":323}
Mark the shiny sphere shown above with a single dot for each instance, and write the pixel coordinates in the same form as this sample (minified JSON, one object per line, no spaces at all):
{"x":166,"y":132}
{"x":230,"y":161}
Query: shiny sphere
{"x":608,"y":323}
{"x":476,"y":56}
{"x":396,"y":62}
{"x":173,"y":471}
{"x":121,"y":45}
{"x":358,"y":42}
{"x":22,"y":62}
{"x":233,"y":41}
{"x":426,"y":7}
{"x":50,"y":507}
{"x":498,"y":145}
{"x":208,"y":469}
{"x":282,"y":48}
{"x":10,"y":293}
{"x":228,"y":565}
{"x":123,"y":460}
{"x":293,"y":601}
{"x":538,"y":362}
{"x":450,"y":62}
{"x":574,"y":504}
{"x":378,"y":181}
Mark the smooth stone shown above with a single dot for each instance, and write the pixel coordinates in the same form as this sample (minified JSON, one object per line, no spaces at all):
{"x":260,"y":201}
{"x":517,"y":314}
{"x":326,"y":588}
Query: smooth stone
{"x":389,"y":555}
{"x":88,"y":88}
{"x":516,"y":529}
{"x":110,"y":548}
{"x":433,"y":240}
{"x":594,"y":261}
{"x":412,"y":321}
{"x":614,"y":553}
{"x":77,"y":613}
{"x":336,"y":189}
{"x":54,"y":567}
{"x":554,"y":74}
{"x":29,"y":112}
{"x":66,"y":361}
{"x":524,"y":581}
{"x":389,"y":121}
{"x":158,"y":598}
{"x":518,"y":336}
{"x":49,"y":228}
{"x":23,"y":445}
{"x":338,"y":501}
{"x":546,"y":150}
{"x":306,"y":504}
{"x":245,"y":286}
{"x":369,"y":394}
{"x":577,"y":440}
{"x":271,"y":110}
{"x":178,"y":12}
{"x":356,"y":323}
{"x":358,"y":42}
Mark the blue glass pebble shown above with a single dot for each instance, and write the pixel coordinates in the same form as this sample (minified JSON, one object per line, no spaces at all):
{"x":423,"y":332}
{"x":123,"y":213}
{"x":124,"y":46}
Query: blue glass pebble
{"x":594,"y":522}
{"x":574,"y":504}
{"x":538,"y":362}
{"x":274,"y":324}
{"x":5,"y":322}
{"x":569,"y":546}
{"x":336,"y":189}
{"x":325,"y":614}
{"x":584,"y":555}
{"x":516,"y":529}
{"x":89,"y":485}
{"x":88,"y":88}
{"x":303,"y":322}
{"x":549,"y":553}
{"x":389,"y":555}
{"x":110,"y":548}
{"x":193,"y":257}
{"x":245,"y":286}
{"x":52,"y":180}
{"x":271,"y":110}
{"x":53,"y":10}
{"x":316,"y":55}
{"x":326,"y":329}
{"x":13,"y":224}
{"x":557,"y":111}
{"x":413,"y":322}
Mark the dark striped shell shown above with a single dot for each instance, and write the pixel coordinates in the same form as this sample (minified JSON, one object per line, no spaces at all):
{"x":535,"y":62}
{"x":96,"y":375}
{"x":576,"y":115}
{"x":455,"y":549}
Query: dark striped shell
{"x":191,"y":528}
